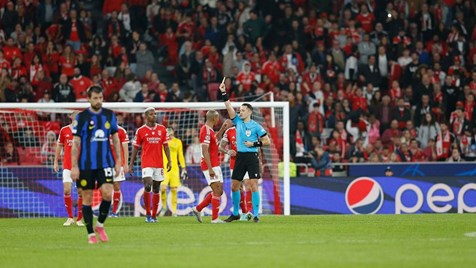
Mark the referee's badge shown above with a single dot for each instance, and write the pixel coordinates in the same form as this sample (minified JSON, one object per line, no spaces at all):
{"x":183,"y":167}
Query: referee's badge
{"x":248,"y":133}
{"x":107,"y":125}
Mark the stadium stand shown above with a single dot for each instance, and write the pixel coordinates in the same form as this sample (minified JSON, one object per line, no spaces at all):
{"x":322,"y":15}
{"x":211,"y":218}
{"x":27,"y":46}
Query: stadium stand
{"x":368,"y":81}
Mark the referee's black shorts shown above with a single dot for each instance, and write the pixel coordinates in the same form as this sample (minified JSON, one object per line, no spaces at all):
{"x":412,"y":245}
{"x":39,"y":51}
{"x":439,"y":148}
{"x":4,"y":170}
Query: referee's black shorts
{"x":246,"y":162}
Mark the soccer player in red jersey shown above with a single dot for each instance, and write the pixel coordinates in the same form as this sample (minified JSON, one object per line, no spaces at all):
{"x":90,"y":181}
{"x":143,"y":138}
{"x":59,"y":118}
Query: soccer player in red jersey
{"x":151,"y":137}
{"x":65,"y":142}
{"x":210,"y":165}
{"x":229,"y":138}
{"x":124,"y":139}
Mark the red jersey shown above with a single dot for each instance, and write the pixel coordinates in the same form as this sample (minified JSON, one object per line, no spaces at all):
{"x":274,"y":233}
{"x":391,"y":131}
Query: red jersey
{"x":151,"y":140}
{"x":366,"y":20}
{"x":272,"y":69}
{"x":246,"y":79}
{"x":4,"y":64}
{"x":123,"y":138}
{"x":230,"y":137}
{"x":208,"y":137}
{"x":66,"y":139}
{"x":10,"y":53}
{"x":67,"y":65}
{"x":80,"y":86}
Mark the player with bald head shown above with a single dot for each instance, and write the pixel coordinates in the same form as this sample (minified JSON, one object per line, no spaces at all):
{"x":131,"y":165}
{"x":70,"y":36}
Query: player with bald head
{"x":210,"y":165}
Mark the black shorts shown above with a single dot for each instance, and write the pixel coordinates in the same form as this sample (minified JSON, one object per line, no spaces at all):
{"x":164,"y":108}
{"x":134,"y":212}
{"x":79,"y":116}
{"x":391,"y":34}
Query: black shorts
{"x":88,"y":178}
{"x":246,"y":162}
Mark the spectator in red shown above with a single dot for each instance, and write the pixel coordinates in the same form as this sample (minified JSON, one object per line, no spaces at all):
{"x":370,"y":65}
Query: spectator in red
{"x":417,"y":152}
{"x":36,"y":66}
{"x":444,"y":139}
{"x":4,"y":64}
{"x":391,"y":132}
{"x":430,"y":151}
{"x":315,"y":121}
{"x":169,"y":40}
{"x":42,"y":85}
{"x":67,"y":61}
{"x":109,"y":84}
{"x":73,"y":31}
{"x":309,"y":78}
{"x":95,"y":66}
{"x":185,"y":30}
{"x":51,"y":59}
{"x":246,"y":77}
{"x":365,"y":18}
{"x":272,"y":68}
{"x":11,"y":50}
{"x":80,"y":85}
{"x":111,"y":5}
{"x":359,"y":101}
{"x":459,"y":123}
{"x":18,"y":69}
{"x":29,"y":54}
{"x":114,"y":27}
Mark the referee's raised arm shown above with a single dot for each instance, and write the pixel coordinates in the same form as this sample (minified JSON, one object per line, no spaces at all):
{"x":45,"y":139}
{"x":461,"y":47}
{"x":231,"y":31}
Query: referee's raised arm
{"x":229,"y":108}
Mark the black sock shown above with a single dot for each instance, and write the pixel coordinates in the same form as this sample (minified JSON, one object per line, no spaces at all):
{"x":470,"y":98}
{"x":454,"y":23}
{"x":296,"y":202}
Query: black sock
{"x":103,"y":210}
{"x":88,"y":218}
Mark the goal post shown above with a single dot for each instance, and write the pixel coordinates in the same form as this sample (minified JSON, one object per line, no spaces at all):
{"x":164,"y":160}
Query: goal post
{"x":30,"y":188}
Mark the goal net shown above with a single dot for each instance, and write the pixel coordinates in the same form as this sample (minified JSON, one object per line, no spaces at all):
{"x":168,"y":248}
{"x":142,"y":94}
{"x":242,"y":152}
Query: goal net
{"x":29,"y":187}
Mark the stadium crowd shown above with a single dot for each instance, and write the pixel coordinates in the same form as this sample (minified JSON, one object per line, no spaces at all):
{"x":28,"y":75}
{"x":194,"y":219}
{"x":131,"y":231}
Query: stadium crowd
{"x":366,"y":80}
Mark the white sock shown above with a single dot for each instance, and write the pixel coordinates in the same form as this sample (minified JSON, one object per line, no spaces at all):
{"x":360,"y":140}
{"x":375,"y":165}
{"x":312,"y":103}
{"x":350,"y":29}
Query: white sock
{"x":98,"y":224}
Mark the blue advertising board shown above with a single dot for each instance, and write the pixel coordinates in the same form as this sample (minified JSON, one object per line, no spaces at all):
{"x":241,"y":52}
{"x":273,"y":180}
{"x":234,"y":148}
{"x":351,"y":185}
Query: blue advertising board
{"x":38,"y":192}
{"x":383,"y":195}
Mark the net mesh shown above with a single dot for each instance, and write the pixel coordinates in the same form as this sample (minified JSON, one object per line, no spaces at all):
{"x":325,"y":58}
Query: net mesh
{"x":30,"y":188}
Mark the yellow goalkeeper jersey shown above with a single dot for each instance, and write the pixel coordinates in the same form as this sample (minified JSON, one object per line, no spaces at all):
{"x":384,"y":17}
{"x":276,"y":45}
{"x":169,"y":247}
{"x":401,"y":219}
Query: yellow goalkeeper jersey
{"x":176,"y":154}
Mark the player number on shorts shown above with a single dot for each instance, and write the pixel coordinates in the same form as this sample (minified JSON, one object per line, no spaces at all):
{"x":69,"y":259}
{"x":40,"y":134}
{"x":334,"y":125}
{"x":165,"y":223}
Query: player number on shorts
{"x":108,"y":172}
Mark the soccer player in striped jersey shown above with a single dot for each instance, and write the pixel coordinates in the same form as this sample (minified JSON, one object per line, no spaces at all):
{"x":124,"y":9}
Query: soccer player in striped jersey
{"x":229,"y":138}
{"x":65,"y":142}
{"x":172,"y":177}
{"x":124,"y":140}
{"x":92,"y":160}
{"x":249,"y":137}
{"x":151,"y":137}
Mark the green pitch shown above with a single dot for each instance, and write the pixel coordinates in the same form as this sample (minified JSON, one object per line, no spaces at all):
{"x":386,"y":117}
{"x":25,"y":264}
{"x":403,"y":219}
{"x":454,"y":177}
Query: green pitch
{"x":277,"y":241}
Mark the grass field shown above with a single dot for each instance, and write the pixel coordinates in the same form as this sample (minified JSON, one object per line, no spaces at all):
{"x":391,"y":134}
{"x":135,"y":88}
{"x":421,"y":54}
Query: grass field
{"x":429,"y":240}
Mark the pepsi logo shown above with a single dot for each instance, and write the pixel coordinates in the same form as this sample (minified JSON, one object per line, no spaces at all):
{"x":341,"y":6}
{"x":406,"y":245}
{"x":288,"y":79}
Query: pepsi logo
{"x":364,"y":196}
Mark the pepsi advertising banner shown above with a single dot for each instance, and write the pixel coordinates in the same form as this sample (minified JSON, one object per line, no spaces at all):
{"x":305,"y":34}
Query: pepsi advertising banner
{"x":383,"y":195}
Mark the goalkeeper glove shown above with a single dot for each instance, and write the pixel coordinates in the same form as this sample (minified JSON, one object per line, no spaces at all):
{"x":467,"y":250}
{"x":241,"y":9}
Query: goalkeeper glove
{"x":184,"y":174}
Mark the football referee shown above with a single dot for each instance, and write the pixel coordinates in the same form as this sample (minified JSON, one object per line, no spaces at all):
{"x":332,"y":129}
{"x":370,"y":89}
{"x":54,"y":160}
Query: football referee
{"x":249,"y":136}
{"x":92,"y":160}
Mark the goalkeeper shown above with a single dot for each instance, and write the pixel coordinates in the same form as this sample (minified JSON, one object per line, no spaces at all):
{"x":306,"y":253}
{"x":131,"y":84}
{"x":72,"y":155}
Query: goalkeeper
{"x":172,"y":178}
